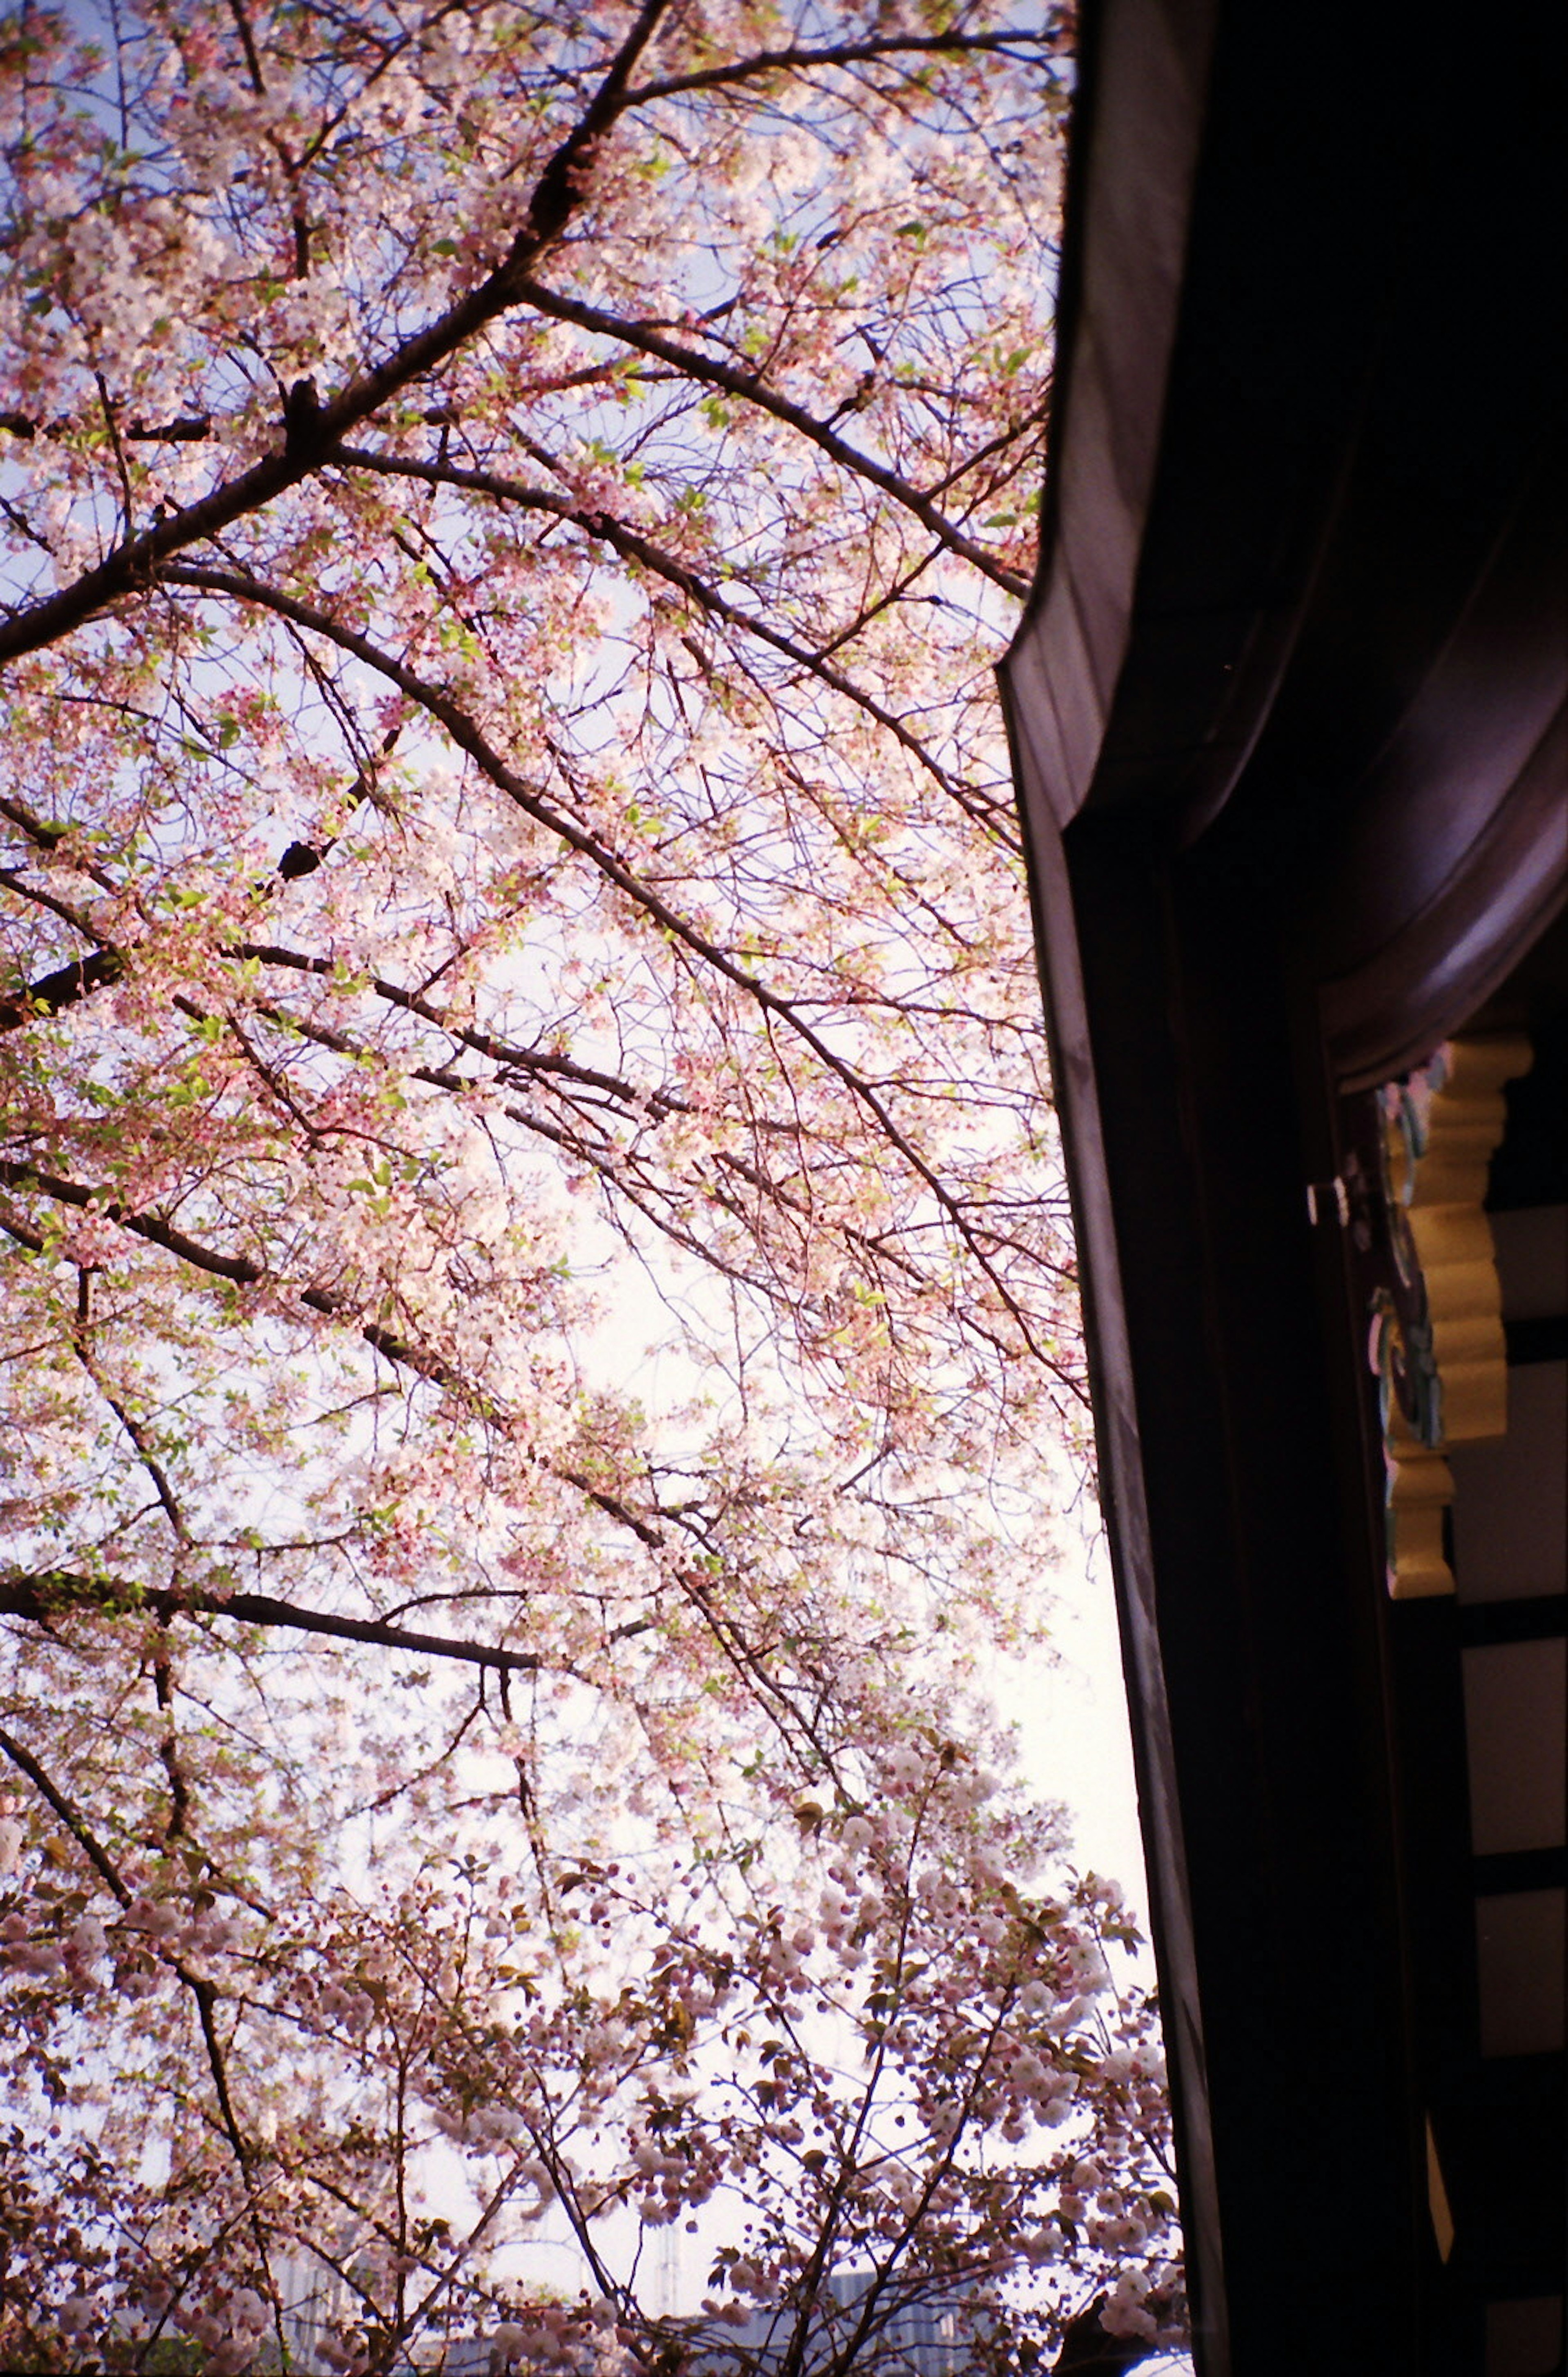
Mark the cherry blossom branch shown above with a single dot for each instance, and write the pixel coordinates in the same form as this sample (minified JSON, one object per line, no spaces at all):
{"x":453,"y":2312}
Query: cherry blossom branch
{"x":206,"y":1997}
{"x":38,"y":896}
{"x":66,"y":986}
{"x":468,"y":736}
{"x":311,"y":429}
{"x":506,"y":1054}
{"x":169,"y":1743}
{"x":40,"y":831}
{"x":239,"y":1270}
{"x":842,"y":54}
{"x":615,"y":1165}
{"x":201,"y":1990}
{"x":881,"y":2278}
{"x":633,"y":546}
{"x":656,"y":1101}
{"x":410,"y":1782}
{"x":849,"y":2155}
{"x":141,"y":1443}
{"x":45,"y":1597}
{"x":78,"y":1826}
{"x":1088,"y":2349}
{"x":746,"y":1661}
{"x":444,"y":2281}
{"x":612,"y":1163}
{"x":750,"y":389}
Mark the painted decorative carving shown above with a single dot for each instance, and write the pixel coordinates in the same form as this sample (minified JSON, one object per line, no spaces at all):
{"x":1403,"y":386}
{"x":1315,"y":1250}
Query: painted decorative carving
{"x":1437,"y":1342}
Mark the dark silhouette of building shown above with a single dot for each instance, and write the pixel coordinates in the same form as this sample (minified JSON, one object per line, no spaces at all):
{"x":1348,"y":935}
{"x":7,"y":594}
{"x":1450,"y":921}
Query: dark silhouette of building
{"x":1289,"y":723}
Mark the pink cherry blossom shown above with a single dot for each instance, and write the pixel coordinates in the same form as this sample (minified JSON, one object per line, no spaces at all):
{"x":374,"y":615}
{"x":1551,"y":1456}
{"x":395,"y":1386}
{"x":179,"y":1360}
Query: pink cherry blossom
{"x":539,"y":1344}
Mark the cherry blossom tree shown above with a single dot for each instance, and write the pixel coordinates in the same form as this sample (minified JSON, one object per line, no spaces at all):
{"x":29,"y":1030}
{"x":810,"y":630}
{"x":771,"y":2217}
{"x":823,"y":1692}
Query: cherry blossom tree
{"x":537,"y":1336}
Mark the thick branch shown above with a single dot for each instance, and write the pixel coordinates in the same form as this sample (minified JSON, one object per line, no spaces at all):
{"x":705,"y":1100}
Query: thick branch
{"x":188,"y":429}
{"x":42,"y":1597}
{"x":206,"y":1997}
{"x":67,"y":984}
{"x":240,"y":1270}
{"x":839,"y":53}
{"x":24,"y":1760}
{"x":1090,"y":2350}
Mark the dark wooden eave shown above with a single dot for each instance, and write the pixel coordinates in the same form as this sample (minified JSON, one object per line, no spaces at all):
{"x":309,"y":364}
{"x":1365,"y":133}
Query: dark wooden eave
{"x":1289,"y":712}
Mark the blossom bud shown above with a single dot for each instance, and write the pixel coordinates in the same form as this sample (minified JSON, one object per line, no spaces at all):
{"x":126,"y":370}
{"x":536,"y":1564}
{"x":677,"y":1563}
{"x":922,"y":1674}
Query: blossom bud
{"x":87,"y":1940}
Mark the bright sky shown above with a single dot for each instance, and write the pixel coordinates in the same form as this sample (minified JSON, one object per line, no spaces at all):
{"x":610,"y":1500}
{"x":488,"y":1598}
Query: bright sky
{"x":1073,"y":1725}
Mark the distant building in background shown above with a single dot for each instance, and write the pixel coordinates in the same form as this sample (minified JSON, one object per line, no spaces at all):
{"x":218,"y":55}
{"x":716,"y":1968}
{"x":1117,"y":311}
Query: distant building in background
{"x":317,"y":2308}
{"x":918,"y":2340}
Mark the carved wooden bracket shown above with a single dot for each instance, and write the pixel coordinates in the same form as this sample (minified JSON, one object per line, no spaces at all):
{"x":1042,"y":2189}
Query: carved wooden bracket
{"x":1437,"y":1342}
